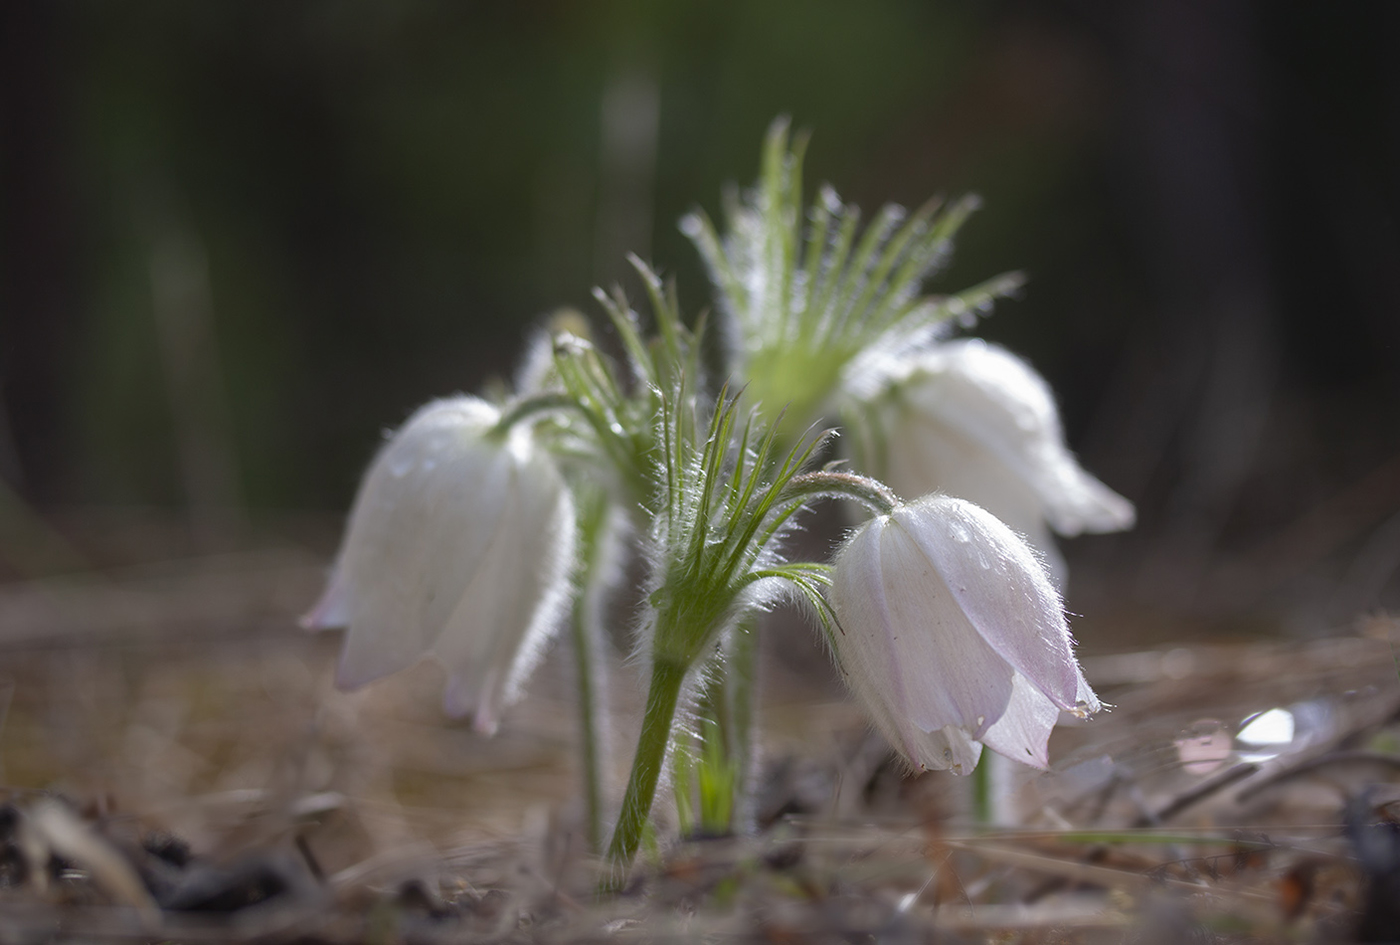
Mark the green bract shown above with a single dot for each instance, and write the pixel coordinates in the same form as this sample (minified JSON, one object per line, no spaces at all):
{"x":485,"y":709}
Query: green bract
{"x":812,"y":303}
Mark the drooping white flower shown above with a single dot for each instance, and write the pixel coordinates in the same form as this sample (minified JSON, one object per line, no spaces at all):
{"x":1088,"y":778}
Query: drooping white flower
{"x":952,"y":637}
{"x":458,"y":547}
{"x":970,"y":419}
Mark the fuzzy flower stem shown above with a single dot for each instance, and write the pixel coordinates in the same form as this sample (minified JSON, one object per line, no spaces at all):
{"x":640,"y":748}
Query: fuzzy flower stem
{"x":666,"y":679}
{"x":742,"y":670}
{"x":528,"y":408}
{"x":982,"y":793}
{"x":871,"y":493}
{"x":586,"y":658}
{"x":588,"y":650}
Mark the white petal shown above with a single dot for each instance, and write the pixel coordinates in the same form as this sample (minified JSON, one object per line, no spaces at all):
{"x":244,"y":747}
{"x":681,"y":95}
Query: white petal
{"x":1000,"y":587}
{"x":984,"y":395}
{"x":510,"y":607}
{"x":482,"y":699}
{"x":1086,"y":702}
{"x":904,"y":643}
{"x":1023,"y":731}
{"x":423,"y":520}
{"x":948,"y":748}
{"x":932,"y":456}
{"x":459,"y":546}
{"x":333,"y":609}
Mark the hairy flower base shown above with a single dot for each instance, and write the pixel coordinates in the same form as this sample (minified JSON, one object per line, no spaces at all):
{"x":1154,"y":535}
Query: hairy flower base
{"x":952,"y":636}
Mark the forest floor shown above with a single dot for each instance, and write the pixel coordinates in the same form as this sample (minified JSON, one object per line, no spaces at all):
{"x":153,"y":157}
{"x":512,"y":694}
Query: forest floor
{"x":175,"y":765}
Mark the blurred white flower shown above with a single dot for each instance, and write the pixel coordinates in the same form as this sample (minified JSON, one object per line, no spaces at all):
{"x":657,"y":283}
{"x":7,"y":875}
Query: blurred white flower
{"x":973,"y":420}
{"x":951,"y":634}
{"x":458,"y":547}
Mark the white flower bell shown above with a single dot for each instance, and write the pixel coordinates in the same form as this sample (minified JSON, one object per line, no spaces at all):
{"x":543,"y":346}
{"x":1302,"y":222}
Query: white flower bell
{"x":951,"y":634}
{"x":458,"y":547}
{"x":973,"y":420}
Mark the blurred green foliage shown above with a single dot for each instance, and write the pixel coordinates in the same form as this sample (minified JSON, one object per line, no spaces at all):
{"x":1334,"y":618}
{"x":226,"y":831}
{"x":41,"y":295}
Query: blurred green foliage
{"x":242,"y":238}
{"x":389,"y":195}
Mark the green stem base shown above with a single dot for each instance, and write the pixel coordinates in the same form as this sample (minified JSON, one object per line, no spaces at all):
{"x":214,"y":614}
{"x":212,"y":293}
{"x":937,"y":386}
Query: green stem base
{"x":655,"y":737}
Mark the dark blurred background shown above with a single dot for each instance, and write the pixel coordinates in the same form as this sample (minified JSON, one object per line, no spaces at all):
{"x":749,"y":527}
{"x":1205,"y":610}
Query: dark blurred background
{"x":238,"y":239}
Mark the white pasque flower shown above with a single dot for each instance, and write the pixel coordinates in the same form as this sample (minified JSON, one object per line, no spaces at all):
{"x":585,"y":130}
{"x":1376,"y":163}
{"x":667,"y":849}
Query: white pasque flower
{"x":458,"y":547}
{"x":971,"y":419}
{"x":950,"y":634}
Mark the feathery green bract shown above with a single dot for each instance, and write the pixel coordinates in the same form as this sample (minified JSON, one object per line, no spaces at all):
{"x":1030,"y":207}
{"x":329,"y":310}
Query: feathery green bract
{"x":804,"y":295}
{"x":618,"y":412}
{"x":726,"y":509}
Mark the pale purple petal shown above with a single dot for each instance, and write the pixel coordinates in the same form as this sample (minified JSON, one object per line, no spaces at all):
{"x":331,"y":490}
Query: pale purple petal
{"x":948,"y":748}
{"x":951,"y":675}
{"x":1023,"y":731}
{"x":1000,"y":587}
{"x":903,"y":636}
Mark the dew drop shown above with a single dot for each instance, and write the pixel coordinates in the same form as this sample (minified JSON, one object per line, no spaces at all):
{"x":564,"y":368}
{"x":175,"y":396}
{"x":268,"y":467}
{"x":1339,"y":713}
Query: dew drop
{"x":960,"y":534}
{"x":1274,"y":727}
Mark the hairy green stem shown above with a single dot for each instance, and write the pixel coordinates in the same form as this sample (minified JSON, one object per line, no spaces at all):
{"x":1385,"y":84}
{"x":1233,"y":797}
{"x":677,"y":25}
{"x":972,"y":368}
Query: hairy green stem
{"x":873,"y":494}
{"x":588,"y":640}
{"x":529,"y":408}
{"x":587,"y":664}
{"x":713,"y":770}
{"x":721,"y":772}
{"x":982,"y":791}
{"x":742,"y":687}
{"x":662,"y":698}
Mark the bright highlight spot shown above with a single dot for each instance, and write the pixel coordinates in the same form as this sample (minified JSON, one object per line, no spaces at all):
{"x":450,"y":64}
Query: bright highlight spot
{"x":1274,"y":727}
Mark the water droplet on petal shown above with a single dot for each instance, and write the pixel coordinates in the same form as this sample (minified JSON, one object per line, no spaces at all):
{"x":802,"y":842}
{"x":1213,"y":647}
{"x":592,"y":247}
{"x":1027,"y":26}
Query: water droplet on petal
{"x":960,"y":534}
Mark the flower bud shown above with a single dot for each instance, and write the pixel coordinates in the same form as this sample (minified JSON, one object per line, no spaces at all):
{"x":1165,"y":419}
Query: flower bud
{"x":458,"y":547}
{"x":952,"y":636}
{"x":973,"y":420}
